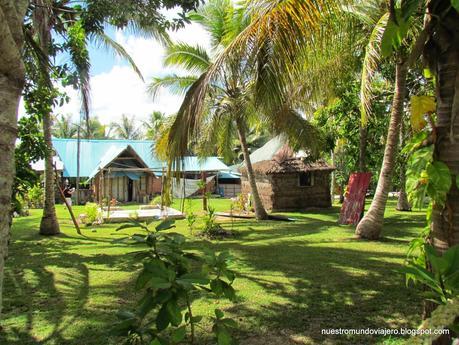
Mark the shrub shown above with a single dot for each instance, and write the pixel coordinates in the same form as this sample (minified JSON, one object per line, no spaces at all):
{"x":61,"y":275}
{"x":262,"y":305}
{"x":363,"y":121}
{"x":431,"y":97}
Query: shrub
{"x":36,"y":196}
{"x":92,"y":212}
{"x":156,"y":200}
{"x":190,"y":220}
{"x":171,"y":279}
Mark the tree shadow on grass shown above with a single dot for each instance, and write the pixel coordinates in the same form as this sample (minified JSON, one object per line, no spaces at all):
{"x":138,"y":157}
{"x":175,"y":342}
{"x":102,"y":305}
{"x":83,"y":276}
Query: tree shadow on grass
{"x":322,"y":287}
{"x":54,"y":293}
{"x":314,"y":280}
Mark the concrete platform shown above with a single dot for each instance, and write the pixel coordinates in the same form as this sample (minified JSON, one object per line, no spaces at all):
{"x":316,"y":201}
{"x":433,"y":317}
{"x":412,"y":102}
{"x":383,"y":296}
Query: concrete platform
{"x":121,"y":216}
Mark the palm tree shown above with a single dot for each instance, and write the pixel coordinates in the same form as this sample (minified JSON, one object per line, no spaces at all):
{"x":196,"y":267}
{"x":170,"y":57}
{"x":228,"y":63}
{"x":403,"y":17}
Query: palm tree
{"x":50,"y":17}
{"x":154,"y":124}
{"x":12,"y":78}
{"x":64,"y":127}
{"x":95,"y":130}
{"x":442,"y":56}
{"x":126,"y":129}
{"x":228,"y":109}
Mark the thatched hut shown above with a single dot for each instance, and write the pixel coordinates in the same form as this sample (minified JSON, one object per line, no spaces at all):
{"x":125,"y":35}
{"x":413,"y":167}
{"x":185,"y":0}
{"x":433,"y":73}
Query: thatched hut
{"x":291,"y":183}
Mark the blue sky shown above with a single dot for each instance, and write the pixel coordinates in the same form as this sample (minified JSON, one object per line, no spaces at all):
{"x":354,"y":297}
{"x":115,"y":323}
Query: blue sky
{"x":117,"y":90}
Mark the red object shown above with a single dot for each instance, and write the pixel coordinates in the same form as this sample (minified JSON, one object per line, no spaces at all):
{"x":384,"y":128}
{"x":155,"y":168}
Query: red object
{"x":354,"y":199}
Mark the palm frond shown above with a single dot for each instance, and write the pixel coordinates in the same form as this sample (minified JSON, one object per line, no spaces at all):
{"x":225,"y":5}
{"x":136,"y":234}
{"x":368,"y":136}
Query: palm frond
{"x":192,"y":58}
{"x":104,"y":41}
{"x":370,"y":66}
{"x":79,"y":56}
{"x":178,"y":85}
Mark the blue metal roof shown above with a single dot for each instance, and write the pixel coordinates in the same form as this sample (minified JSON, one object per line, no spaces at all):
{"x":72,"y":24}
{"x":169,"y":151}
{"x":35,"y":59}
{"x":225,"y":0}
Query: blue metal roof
{"x":93,"y":151}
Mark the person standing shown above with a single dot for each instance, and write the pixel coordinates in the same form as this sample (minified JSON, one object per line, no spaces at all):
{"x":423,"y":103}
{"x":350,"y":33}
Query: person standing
{"x":68,"y":191}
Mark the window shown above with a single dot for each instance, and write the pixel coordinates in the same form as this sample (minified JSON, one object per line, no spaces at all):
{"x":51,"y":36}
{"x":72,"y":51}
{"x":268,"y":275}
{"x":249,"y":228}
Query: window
{"x":306,"y":179}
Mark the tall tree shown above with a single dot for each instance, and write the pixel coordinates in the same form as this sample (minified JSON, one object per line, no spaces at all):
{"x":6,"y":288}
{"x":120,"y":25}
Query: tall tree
{"x":154,"y":123}
{"x":77,"y":24}
{"x":64,"y":127}
{"x":442,"y":54}
{"x":388,"y":42}
{"x":126,"y":128}
{"x":12,"y":77}
{"x":229,"y":109}
{"x":94,"y":129}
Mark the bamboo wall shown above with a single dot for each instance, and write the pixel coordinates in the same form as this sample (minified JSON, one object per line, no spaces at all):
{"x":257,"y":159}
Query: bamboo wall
{"x":282,"y":192}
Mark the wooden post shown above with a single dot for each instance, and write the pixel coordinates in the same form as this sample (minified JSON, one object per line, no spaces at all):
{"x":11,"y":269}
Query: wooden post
{"x":204,"y":198}
{"x":182,"y":208}
{"x":77,"y":227}
{"x":110,"y":194}
{"x":162,"y":189}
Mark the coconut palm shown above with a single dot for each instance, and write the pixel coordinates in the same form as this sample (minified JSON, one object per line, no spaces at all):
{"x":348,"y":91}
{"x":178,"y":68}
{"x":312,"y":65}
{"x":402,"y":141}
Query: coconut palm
{"x":126,"y":129}
{"x":442,"y":55}
{"x":228,"y":109}
{"x":64,"y":127}
{"x":48,"y":18}
{"x":154,"y":124}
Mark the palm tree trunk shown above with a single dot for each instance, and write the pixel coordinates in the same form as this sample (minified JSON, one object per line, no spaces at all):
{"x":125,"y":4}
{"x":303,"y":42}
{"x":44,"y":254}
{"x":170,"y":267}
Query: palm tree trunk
{"x":371,"y":225}
{"x":48,"y":224}
{"x":333,"y":177}
{"x":363,"y":130}
{"x":402,"y":203}
{"x":12,"y":75}
{"x":445,"y":220}
{"x":260,"y":212}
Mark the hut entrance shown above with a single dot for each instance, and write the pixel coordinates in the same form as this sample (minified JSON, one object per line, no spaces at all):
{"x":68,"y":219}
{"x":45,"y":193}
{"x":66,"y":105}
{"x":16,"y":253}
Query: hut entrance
{"x":130,"y":189}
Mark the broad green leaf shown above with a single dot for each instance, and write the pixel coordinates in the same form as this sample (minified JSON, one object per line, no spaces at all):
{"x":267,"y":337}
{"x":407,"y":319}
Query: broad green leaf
{"x":127,"y":226}
{"x":193,"y":278}
{"x":196,"y":319}
{"x":228,"y":291}
{"x":457,"y":181}
{"x":230,"y":323}
{"x":424,"y":276}
{"x":216,"y":287}
{"x":438,"y":263}
{"x":394,"y":34}
{"x":159,"y":283}
{"x":179,"y":334}
{"x":455,"y":4}
{"x":125,"y":314}
{"x":452,"y":258}
{"x":148,"y":303}
{"x":163,"y":296}
{"x":165,"y":224}
{"x":427,"y":73}
{"x":439,"y":177}
{"x":163,"y":319}
{"x":143,"y":279}
{"x":223,"y":336}
{"x":155,"y":342}
{"x":173,"y":310}
{"x":408,"y":8}
{"x":386,"y":41}
{"x":420,"y":106}
{"x":219,"y":314}
{"x":156,"y":267}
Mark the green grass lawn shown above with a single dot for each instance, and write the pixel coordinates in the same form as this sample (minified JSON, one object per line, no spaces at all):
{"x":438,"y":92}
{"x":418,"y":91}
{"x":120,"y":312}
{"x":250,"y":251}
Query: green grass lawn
{"x":294,"y":279}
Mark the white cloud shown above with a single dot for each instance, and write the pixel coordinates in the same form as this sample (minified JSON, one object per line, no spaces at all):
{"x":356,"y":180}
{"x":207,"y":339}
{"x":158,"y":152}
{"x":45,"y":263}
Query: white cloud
{"x":121,"y":91}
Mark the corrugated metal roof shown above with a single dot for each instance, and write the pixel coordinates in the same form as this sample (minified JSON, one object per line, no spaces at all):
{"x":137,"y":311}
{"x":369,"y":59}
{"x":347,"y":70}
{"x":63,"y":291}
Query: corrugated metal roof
{"x":92,"y":151}
{"x":268,"y":150}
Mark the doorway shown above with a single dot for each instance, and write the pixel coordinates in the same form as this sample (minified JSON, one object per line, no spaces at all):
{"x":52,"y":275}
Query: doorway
{"x":130,"y":189}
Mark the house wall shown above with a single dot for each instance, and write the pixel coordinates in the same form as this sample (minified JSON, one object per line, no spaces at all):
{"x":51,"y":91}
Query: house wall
{"x":288,"y":195}
{"x":117,"y":187}
{"x":230,"y":190}
{"x":282,"y":192}
{"x":264,"y":186}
